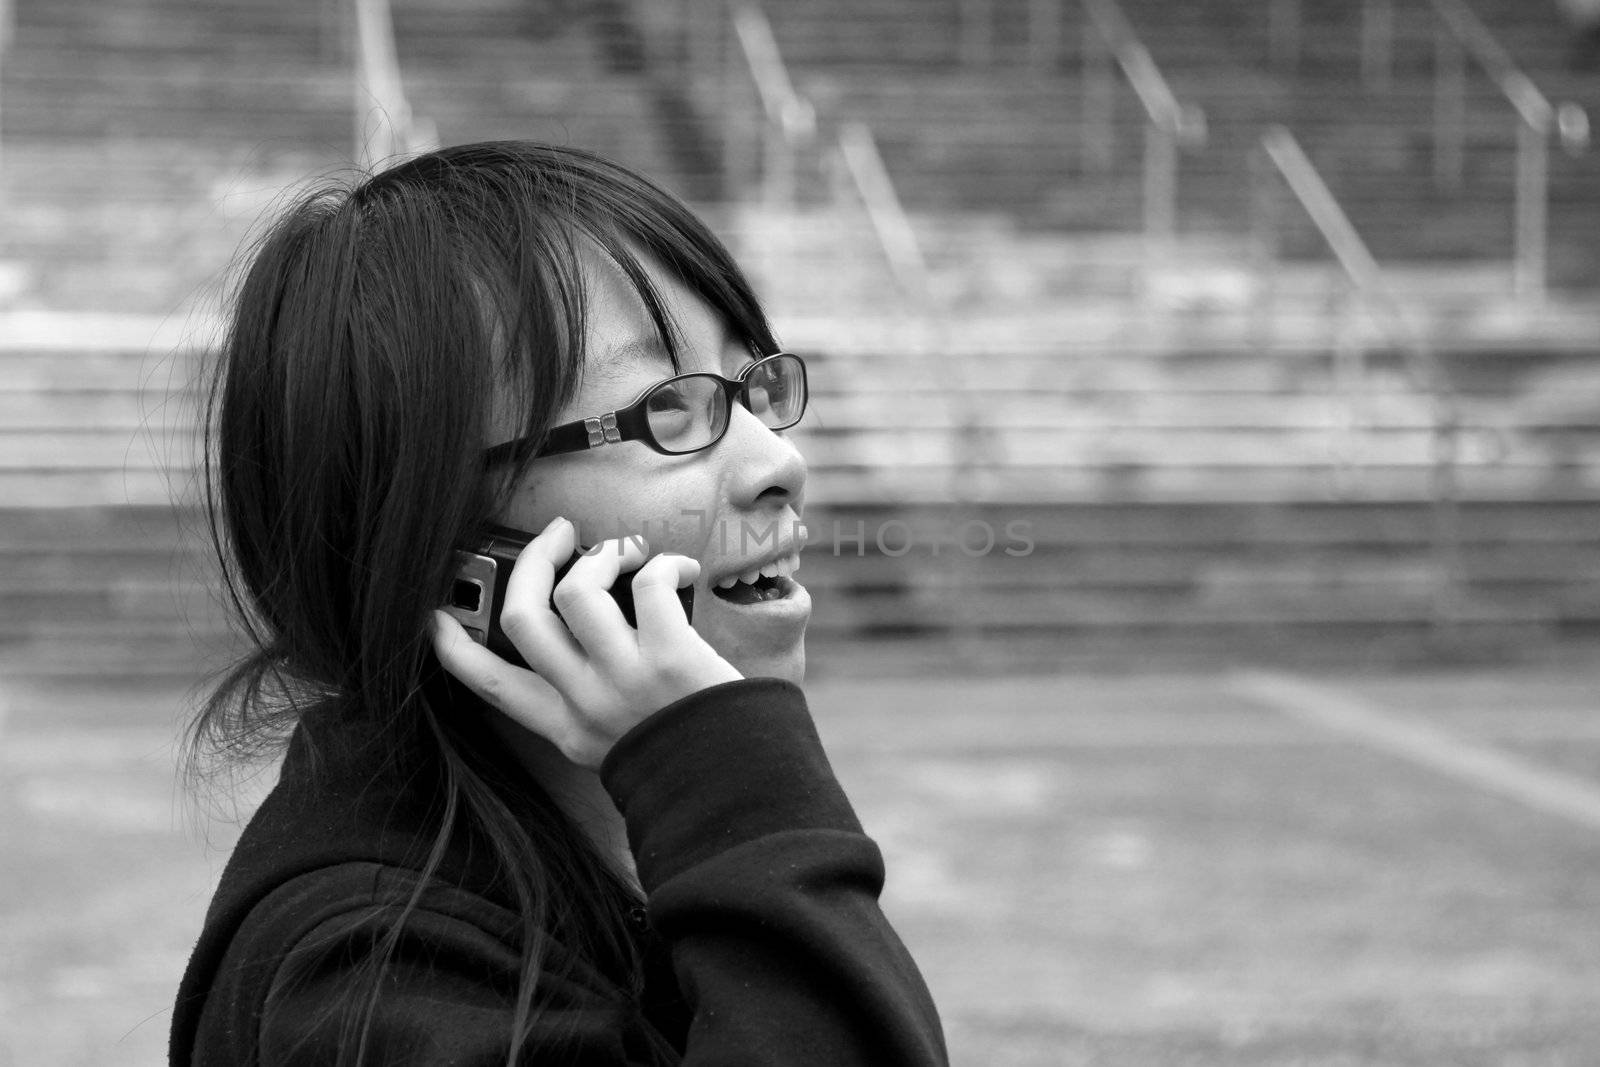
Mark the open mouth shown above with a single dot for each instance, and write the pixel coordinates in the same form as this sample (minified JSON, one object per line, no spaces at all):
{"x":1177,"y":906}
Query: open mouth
{"x":764,"y":588}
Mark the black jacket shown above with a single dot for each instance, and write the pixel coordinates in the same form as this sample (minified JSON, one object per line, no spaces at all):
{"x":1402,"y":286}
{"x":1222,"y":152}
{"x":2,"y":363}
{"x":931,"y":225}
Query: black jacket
{"x":763,"y":941}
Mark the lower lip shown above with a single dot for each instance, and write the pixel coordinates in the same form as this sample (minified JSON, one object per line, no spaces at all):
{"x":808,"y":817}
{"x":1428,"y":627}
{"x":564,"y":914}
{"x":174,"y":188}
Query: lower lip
{"x":795,"y":604}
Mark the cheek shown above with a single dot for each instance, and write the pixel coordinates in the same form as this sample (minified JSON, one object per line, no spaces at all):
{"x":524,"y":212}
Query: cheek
{"x":680,"y":514}
{"x":673,"y":509}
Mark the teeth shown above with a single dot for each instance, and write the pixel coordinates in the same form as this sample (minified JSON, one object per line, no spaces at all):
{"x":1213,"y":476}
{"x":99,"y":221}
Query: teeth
{"x":778,"y":568}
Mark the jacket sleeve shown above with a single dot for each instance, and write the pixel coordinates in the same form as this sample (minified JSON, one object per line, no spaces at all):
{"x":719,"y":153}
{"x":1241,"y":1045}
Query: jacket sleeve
{"x":761,"y":880}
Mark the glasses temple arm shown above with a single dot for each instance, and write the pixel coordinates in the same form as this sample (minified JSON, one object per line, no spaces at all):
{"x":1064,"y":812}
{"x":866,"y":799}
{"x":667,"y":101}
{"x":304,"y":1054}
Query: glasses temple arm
{"x":571,"y":437}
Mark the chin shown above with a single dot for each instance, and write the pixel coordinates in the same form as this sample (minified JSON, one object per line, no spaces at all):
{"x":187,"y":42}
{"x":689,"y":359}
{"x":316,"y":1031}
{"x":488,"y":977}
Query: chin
{"x":790,"y":666}
{"x":767,"y":641}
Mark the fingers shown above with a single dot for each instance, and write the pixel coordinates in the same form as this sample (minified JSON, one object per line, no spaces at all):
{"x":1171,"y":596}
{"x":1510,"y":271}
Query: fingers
{"x":518,"y":693}
{"x":597,"y":678}
{"x":526,"y":617}
{"x":584,"y":599}
{"x":655,"y":599}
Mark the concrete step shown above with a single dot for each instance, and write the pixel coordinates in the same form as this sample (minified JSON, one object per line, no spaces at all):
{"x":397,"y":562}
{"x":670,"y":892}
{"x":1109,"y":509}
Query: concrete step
{"x":1054,"y":483}
{"x":1069,"y":620}
{"x":1567,"y":581}
{"x":892,"y":408}
{"x":122,"y":534}
{"x":124,"y":593}
{"x":1408,"y":596}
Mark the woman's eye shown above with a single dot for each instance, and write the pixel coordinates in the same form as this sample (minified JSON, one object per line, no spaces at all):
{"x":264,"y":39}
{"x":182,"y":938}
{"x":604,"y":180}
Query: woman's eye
{"x":667,"y":400}
{"x":671,"y":415}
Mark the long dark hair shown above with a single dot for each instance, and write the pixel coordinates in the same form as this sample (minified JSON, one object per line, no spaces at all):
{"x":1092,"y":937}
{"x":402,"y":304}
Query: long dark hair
{"x":376,"y":328}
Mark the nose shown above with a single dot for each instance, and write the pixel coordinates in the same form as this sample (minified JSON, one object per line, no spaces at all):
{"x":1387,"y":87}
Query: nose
{"x":765,"y":468}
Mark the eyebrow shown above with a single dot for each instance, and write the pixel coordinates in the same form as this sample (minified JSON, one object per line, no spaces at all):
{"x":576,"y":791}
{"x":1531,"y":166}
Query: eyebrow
{"x":639,"y":349}
{"x":622,"y":359}
{"x":648,"y":348}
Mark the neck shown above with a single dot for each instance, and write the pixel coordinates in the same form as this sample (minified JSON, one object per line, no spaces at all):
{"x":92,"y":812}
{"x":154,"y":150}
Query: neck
{"x":577,"y":792}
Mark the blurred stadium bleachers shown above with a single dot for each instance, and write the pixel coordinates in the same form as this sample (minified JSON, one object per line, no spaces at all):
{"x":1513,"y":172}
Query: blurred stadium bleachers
{"x":1212,"y":453}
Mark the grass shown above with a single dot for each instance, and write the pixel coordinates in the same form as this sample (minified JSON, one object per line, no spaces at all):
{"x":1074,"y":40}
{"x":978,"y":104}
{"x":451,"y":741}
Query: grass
{"x":1090,"y":869}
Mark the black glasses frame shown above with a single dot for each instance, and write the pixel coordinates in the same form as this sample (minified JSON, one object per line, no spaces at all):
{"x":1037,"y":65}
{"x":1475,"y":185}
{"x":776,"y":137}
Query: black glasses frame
{"x":632,"y":423}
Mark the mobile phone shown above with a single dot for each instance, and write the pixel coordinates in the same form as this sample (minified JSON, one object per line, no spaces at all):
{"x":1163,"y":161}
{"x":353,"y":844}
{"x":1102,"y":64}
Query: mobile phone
{"x":478,"y":588}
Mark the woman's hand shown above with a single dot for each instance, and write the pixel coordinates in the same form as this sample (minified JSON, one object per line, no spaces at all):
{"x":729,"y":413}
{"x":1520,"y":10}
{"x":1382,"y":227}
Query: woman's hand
{"x":594,"y":678}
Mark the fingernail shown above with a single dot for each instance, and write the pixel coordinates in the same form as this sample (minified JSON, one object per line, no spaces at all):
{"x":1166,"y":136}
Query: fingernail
{"x":555,"y":524}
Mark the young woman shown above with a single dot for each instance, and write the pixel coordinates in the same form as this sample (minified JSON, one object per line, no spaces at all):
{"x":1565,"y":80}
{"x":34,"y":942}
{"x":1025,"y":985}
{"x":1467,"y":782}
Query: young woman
{"x":633,"y":852}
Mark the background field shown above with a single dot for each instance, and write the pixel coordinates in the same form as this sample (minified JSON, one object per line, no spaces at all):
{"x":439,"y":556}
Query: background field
{"x":1194,"y":869}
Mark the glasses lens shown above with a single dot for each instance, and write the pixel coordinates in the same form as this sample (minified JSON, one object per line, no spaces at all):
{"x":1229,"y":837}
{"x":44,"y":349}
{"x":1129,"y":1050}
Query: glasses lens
{"x":687,"y":413}
{"x":775,"y":390}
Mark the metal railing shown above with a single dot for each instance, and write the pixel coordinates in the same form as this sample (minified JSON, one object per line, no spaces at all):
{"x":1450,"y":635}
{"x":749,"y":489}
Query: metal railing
{"x":790,"y":129}
{"x":790,"y":125}
{"x":1469,"y":37}
{"x":1281,"y":154}
{"x":1459,"y":36}
{"x":897,"y":237}
{"x":791,"y":122}
{"x":790,"y":132}
{"x":1109,"y":39}
{"x":902,"y":250}
{"x":385,"y":126}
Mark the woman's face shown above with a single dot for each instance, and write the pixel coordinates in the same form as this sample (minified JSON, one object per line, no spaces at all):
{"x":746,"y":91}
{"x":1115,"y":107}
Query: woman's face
{"x":734,"y":507}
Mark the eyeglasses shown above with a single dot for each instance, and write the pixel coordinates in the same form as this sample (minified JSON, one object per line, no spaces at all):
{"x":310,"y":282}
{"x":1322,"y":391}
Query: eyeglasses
{"x":684,"y":413}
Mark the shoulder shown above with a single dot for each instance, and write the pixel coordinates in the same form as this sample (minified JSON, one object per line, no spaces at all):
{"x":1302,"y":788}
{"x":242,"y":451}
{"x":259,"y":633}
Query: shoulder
{"x":330,"y":899}
{"x":339,"y":918}
{"x":304,"y":967}
{"x":333,"y":854}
